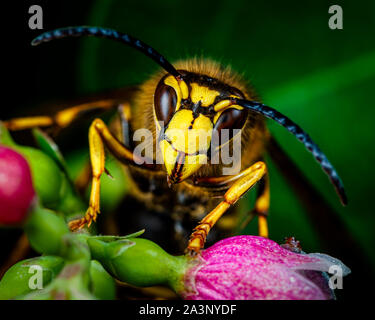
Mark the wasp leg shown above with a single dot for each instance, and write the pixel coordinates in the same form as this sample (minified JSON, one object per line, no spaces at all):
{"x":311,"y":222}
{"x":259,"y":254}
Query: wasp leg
{"x":84,"y":177}
{"x":61,"y":119}
{"x":262,"y":205}
{"x":97,"y":165}
{"x":249,"y":178}
{"x":262,"y":201}
{"x":99,"y":135}
{"x":125,"y":116}
{"x":260,"y":210}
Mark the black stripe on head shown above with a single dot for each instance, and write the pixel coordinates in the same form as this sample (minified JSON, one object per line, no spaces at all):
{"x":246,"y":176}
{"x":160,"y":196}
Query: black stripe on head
{"x":302,"y":136}
{"x":108,"y":34}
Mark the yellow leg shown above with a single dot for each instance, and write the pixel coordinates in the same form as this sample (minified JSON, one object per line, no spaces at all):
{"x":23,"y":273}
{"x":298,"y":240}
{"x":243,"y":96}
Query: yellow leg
{"x":260,"y":210}
{"x":99,"y":135}
{"x":125,"y":115}
{"x":262,"y":226}
{"x":61,"y":119}
{"x":262,"y":205}
{"x":249,"y":178}
{"x":85,"y":176}
{"x":97,"y":164}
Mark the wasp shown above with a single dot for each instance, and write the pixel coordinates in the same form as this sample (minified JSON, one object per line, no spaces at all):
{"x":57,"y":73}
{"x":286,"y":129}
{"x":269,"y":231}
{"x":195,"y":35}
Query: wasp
{"x":200,"y":99}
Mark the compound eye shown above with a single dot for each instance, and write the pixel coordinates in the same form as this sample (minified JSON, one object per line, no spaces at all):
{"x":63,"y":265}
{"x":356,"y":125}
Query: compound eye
{"x":165,"y":101}
{"x":230,"y":119}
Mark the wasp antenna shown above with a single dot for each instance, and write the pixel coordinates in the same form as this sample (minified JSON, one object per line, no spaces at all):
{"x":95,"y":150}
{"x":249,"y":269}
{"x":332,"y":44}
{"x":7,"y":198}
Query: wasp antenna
{"x":108,"y":34}
{"x":302,"y":136}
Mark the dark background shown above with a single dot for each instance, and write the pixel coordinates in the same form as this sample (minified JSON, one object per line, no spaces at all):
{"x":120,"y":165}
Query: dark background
{"x":321,"y":78}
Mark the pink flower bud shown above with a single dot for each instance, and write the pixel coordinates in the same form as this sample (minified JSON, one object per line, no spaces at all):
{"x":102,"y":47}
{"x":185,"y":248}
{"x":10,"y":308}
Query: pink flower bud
{"x":16,"y":188}
{"x":251,"y":267}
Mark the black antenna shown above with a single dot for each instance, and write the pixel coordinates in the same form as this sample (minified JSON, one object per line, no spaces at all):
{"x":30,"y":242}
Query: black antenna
{"x":108,"y":34}
{"x":302,"y":136}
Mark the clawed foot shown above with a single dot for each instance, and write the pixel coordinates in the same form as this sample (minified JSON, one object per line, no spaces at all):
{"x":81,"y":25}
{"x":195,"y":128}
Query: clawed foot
{"x":197,"y":240}
{"x":89,"y":217}
{"x":192,"y":253}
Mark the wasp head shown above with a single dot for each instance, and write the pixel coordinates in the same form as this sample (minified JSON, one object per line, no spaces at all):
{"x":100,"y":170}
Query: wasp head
{"x":191,"y":111}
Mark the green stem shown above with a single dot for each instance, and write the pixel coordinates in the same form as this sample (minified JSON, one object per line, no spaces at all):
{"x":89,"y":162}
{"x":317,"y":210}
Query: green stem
{"x":139,"y":262}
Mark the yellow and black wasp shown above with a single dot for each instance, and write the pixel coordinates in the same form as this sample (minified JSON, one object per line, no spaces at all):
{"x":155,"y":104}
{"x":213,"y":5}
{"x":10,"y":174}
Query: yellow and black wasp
{"x":193,"y":96}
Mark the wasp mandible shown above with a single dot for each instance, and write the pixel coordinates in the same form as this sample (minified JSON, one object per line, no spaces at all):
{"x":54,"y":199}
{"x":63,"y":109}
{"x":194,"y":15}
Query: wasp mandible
{"x":193,"y":95}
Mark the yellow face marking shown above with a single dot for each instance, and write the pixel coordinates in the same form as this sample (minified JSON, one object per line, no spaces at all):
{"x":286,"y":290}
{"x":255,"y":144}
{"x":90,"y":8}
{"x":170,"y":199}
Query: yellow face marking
{"x":169,"y":155}
{"x":180,"y":87}
{"x":172,"y":82}
{"x":184,"y":89}
{"x":181,"y":120}
{"x":187,"y":134}
{"x":203,"y":94}
{"x":222,"y":105}
{"x":191,"y":163}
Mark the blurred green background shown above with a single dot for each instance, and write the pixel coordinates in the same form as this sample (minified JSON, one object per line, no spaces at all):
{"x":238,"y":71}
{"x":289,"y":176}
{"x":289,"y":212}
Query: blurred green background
{"x":321,"y":78}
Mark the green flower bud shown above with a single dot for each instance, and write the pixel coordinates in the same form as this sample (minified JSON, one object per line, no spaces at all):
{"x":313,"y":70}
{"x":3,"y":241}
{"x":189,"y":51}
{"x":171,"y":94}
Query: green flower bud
{"x":49,"y":176}
{"x":73,"y":282}
{"x":45,"y":230}
{"x":102,"y":285}
{"x":70,"y":284}
{"x":21,"y":278}
{"x":139,"y":262}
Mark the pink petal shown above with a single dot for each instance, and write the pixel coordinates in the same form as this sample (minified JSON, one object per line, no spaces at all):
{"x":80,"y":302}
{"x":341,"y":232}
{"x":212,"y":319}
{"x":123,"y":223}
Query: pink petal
{"x":251,"y":267}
